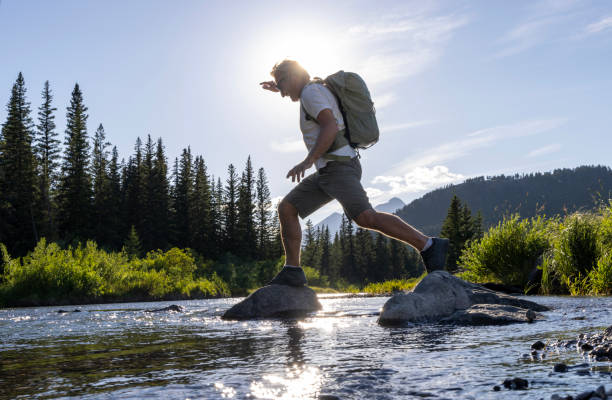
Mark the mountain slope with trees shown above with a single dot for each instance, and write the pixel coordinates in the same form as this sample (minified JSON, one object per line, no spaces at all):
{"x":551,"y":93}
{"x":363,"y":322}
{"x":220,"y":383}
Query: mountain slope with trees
{"x":559,"y":192}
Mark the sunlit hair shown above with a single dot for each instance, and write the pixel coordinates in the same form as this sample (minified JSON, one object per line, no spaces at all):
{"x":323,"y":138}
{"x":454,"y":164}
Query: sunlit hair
{"x":289,"y":68}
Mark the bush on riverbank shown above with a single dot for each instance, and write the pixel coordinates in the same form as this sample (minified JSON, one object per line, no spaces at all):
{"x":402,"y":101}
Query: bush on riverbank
{"x":507,"y":252}
{"x":51,"y":275}
{"x":574,"y":253}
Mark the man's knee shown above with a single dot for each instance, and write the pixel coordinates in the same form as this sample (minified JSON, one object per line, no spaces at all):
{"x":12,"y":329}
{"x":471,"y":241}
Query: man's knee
{"x":286,"y":210}
{"x":367,"y":219}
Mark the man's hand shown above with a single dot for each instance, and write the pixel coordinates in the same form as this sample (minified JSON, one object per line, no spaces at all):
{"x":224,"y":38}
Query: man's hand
{"x":299,"y":170}
{"x":269,"y":85}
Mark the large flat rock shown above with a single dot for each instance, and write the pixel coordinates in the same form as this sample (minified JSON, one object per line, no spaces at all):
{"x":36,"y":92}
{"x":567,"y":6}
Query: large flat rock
{"x":275,"y":301}
{"x":440,"y":294}
{"x":490,"y":314}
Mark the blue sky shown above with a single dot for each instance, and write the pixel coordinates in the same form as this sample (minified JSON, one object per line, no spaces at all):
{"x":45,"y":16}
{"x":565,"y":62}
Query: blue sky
{"x":462,"y":88}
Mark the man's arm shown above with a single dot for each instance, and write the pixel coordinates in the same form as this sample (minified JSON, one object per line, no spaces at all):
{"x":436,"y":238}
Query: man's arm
{"x":329,"y":129}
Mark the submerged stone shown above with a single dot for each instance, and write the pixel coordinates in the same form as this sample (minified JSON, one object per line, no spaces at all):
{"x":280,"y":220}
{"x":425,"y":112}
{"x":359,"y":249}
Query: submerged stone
{"x":442,"y":296}
{"x":276,"y":301}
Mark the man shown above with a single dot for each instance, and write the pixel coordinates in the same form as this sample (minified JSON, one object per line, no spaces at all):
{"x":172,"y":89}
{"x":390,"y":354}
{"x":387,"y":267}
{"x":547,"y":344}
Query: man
{"x":337,"y":177}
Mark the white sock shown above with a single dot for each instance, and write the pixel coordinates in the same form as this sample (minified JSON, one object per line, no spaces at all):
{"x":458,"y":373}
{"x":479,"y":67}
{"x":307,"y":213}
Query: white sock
{"x":428,"y":244}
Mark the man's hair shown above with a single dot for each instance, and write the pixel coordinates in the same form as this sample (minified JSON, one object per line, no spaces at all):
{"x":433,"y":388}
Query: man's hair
{"x":289,"y":67}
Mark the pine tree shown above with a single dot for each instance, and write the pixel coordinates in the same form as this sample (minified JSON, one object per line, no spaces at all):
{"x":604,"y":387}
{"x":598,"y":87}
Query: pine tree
{"x":383,"y":262}
{"x":262,"y":215}
{"x":114,"y":219}
{"x":159,"y":200}
{"x":18,"y":184}
{"x":451,"y":229}
{"x":47,"y":154}
{"x":364,"y":255}
{"x":132,"y":246}
{"x":245,"y":224}
{"x":147,"y":218}
{"x":218,"y":217}
{"x":309,"y":247}
{"x":325,"y":260}
{"x":101,"y":188}
{"x":75,"y":188}
{"x":133,"y":189}
{"x":201,"y":210}
{"x":230,"y":208}
{"x":183,"y":196}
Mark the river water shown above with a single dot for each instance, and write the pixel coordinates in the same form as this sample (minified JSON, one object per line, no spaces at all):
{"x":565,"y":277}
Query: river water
{"x":119,"y":351}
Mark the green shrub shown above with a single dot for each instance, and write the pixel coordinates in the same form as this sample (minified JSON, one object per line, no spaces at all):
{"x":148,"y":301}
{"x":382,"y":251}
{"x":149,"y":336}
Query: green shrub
{"x":51,"y":275}
{"x":508,"y":252}
{"x":391,"y":286}
{"x":601,"y":277}
{"x":315,"y":278}
{"x":575,"y":253}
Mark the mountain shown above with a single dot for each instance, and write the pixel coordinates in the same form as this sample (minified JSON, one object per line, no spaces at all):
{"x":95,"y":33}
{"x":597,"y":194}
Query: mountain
{"x":558,"y":192}
{"x":334,"y":220}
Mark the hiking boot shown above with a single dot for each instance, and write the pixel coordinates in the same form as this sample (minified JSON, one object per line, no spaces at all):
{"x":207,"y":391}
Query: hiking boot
{"x":434,"y":257}
{"x":289,"y":276}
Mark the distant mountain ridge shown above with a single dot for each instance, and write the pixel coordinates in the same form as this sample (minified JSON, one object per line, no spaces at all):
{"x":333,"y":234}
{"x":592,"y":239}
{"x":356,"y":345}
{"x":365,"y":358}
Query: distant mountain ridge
{"x":333,"y":221}
{"x":550,"y":193}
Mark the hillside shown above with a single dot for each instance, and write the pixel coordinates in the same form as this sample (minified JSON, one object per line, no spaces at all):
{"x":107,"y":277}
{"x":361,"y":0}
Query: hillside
{"x":550,"y":193}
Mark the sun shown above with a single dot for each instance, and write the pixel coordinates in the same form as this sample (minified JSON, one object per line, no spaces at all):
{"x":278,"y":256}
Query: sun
{"x":315,"y":49}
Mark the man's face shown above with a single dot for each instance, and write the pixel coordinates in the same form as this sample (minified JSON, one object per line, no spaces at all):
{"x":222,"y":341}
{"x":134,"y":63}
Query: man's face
{"x":287,"y":86}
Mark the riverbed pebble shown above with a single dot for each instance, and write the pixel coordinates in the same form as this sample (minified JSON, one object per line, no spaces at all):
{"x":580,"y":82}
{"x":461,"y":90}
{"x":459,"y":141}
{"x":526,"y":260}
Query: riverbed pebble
{"x":560,"y":367}
{"x":539,"y":345}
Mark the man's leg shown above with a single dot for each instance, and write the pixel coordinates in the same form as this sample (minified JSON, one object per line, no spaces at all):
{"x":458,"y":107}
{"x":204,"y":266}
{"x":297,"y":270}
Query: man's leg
{"x":434,"y":254}
{"x":392,"y":226}
{"x":291,"y":232}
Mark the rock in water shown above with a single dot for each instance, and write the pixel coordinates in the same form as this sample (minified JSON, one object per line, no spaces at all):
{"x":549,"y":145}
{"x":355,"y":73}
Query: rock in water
{"x":275,"y":301}
{"x":441,"y":295}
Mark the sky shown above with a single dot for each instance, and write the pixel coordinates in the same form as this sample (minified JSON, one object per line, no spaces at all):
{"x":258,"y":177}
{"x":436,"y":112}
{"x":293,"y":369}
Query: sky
{"x":461,"y":88}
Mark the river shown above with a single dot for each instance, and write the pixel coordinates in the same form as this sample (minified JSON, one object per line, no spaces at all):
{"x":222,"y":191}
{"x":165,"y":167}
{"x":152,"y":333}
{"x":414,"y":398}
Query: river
{"x":119,"y":351}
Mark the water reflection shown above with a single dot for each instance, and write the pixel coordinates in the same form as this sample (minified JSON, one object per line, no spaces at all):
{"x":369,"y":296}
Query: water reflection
{"x":298,"y":380}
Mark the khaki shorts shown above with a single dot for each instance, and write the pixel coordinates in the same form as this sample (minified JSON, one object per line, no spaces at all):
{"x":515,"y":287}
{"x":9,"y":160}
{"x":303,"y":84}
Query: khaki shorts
{"x":338,"y":180}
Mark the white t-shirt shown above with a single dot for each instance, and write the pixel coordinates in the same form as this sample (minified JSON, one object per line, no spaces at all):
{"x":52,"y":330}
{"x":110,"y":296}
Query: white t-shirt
{"x":316,"y":98}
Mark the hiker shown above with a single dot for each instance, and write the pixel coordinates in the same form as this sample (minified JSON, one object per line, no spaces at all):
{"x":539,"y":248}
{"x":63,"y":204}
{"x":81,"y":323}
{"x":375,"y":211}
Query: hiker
{"x":337,"y":176}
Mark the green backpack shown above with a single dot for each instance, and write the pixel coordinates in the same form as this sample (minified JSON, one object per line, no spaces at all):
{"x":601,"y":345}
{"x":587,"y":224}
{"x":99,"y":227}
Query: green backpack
{"x":357,"y":110}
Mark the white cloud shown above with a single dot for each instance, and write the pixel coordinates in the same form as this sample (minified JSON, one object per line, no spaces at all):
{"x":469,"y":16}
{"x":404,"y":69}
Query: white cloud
{"x":545,"y":150}
{"x":288,"y":147}
{"x":384,"y":100}
{"x":601,"y":25}
{"x":544,"y":21}
{"x":475,"y":140}
{"x":419,"y":179}
{"x":405,"y":125}
{"x":403,"y":46}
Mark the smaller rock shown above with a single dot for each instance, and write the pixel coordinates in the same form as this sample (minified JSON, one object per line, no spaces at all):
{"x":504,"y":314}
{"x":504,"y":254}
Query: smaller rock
{"x":76,"y":310}
{"x":496,"y":388}
{"x":539,"y":345}
{"x":601,"y":392}
{"x":583,"y":372}
{"x":173,"y":307}
{"x":586,"y":347}
{"x":516,"y":384}
{"x":328,"y":397}
{"x":531,"y":315}
{"x":560,"y":368}
{"x":585,"y":395}
{"x":61,"y":311}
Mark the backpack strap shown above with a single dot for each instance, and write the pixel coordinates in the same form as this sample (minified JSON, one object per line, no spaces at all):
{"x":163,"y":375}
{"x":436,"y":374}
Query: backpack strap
{"x":339,"y":141}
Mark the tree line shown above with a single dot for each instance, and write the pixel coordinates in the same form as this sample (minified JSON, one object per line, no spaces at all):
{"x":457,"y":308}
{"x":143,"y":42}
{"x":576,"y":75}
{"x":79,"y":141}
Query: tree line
{"x":82,"y":191}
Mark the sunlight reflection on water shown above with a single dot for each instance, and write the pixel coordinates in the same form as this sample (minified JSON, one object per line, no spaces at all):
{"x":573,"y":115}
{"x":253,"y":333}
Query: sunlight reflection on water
{"x":298,"y":383}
